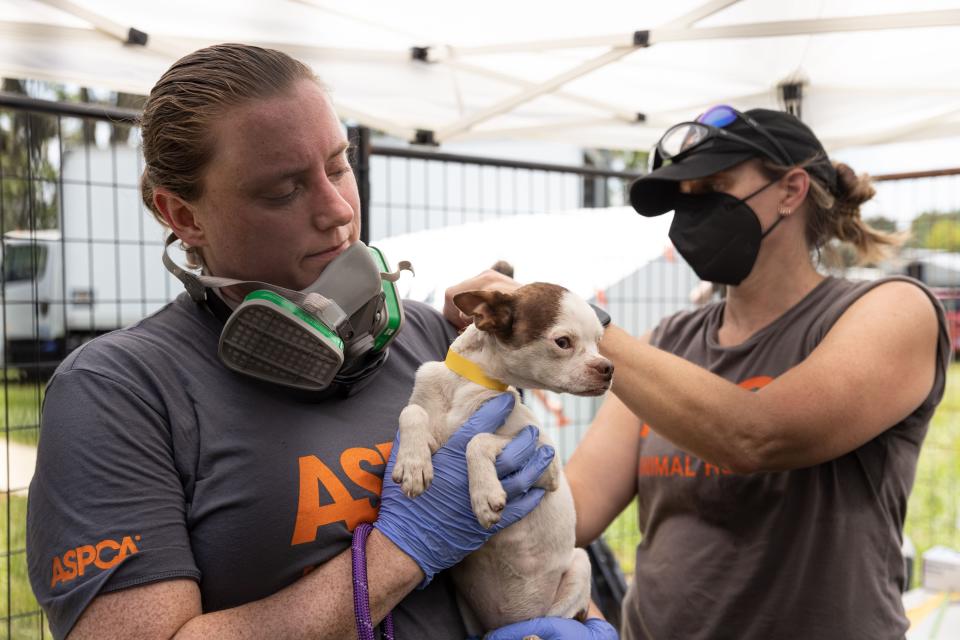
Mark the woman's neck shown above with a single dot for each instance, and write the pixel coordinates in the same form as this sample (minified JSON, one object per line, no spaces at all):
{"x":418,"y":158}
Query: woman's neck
{"x":763,"y":297}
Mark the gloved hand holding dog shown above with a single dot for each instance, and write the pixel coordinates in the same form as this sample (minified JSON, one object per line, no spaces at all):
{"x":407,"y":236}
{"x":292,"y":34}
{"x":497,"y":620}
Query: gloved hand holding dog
{"x":439,"y":528}
{"x":556,"y":629}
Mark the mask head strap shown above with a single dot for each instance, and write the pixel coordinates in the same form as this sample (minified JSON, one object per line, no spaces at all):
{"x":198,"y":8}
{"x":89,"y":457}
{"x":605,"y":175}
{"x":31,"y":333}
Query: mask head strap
{"x":196,"y":289}
{"x":321,"y":306}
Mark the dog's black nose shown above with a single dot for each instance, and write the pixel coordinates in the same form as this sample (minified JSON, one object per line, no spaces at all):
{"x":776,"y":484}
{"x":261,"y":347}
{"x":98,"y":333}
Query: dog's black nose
{"x":605,"y":369}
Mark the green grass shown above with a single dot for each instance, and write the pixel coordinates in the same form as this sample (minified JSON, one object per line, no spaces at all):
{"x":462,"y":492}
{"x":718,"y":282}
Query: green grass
{"x":623,"y":536}
{"x":933,"y":512}
{"x":20,"y":411}
{"x":19,"y":612}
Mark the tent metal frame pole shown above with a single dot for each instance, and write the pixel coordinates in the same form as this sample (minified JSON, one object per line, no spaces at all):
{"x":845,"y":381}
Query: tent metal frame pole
{"x":127,"y":35}
{"x":685,"y":20}
{"x":912,"y":20}
{"x":451,"y":57}
{"x":898,"y":21}
{"x":347,"y":112}
{"x":616,"y":111}
{"x":100,"y":22}
{"x":465,"y":124}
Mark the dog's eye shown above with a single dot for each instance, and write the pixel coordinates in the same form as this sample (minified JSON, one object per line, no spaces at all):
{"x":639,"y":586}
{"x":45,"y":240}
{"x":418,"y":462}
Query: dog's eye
{"x":563,"y":342}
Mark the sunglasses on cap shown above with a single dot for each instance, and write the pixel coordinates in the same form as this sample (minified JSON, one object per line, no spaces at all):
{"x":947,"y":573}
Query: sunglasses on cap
{"x":687,"y":136}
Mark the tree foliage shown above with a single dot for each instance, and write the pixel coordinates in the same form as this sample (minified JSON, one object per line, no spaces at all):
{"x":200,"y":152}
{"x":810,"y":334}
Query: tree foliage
{"x":30,"y":146}
{"x":882,"y":223}
{"x":936,"y":230}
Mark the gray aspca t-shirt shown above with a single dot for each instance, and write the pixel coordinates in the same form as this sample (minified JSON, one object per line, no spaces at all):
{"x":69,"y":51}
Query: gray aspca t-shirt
{"x":808,"y":553}
{"x":156,"y":461}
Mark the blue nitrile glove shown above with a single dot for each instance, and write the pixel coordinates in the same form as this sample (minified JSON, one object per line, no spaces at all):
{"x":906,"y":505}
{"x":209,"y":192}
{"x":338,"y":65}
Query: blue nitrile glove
{"x":556,"y":629}
{"x":438,"y":528}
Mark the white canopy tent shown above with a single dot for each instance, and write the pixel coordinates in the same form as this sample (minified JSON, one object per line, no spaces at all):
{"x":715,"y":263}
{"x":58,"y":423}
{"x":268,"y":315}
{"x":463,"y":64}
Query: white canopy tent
{"x":609,"y":73}
{"x":588,"y":250}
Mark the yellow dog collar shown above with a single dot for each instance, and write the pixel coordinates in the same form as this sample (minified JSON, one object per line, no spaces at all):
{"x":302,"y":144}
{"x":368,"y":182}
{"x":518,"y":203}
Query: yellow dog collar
{"x":471,"y":371}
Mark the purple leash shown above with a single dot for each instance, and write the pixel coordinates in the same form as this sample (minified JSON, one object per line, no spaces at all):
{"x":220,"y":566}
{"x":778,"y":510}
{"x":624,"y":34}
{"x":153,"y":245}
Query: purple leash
{"x":361,"y":592}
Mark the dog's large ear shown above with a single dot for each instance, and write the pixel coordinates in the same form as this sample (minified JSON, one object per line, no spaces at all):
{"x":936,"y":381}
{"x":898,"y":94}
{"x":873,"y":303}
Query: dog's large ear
{"x":491,"y":310}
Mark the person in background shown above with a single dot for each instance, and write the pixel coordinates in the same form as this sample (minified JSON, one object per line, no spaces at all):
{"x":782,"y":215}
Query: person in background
{"x":770,"y":439}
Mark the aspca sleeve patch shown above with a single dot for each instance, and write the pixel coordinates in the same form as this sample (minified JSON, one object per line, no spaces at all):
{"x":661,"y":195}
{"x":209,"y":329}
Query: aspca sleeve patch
{"x":87,"y":558}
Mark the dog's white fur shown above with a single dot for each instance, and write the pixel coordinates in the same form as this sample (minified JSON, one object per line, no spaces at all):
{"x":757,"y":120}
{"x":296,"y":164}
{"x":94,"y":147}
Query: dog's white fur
{"x":530,"y":569}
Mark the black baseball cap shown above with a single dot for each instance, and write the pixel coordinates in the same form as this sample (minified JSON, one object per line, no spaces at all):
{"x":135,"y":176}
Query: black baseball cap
{"x":776,"y":135}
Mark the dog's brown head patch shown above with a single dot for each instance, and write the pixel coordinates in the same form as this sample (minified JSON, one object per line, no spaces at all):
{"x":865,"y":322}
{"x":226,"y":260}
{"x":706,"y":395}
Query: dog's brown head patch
{"x":516,"y":318}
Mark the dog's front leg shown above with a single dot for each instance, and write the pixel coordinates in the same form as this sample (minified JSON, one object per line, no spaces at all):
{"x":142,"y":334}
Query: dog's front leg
{"x":486,"y":493}
{"x":413,"y":469}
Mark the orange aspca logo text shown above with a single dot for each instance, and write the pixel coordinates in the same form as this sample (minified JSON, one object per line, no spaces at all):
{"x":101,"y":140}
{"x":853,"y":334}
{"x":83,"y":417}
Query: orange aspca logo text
{"x":342,"y":507}
{"x":103,"y":555}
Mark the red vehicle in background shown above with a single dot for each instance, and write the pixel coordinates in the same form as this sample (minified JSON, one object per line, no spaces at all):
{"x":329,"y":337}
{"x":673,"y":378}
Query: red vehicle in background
{"x":950,"y":298}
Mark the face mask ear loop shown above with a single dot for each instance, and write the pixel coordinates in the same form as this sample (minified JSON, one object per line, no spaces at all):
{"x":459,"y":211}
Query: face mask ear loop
{"x":773,"y":226}
{"x":779,"y":218}
{"x":760,"y":189}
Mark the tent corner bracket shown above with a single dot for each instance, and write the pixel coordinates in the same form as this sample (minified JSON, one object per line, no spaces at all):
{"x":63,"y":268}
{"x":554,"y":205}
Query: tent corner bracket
{"x":425,"y":137}
{"x":420,"y":54}
{"x":135,"y":36}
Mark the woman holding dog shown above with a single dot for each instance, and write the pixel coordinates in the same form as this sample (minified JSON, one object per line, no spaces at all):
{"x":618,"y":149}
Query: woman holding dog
{"x":193,"y":484}
{"x":770,"y":439}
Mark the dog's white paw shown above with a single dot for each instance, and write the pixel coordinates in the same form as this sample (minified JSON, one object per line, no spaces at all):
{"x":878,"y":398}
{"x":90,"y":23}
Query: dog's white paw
{"x":413,"y":474}
{"x":488,"y":505}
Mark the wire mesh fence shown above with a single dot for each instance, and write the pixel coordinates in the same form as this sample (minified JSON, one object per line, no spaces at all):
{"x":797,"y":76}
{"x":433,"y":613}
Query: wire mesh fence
{"x":81,"y":256}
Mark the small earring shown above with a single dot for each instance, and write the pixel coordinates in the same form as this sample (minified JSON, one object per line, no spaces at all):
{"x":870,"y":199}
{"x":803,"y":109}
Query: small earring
{"x":783,"y":211}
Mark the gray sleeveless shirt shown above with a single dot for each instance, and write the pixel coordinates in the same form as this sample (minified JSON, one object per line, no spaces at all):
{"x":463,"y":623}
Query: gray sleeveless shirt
{"x":805,"y":553}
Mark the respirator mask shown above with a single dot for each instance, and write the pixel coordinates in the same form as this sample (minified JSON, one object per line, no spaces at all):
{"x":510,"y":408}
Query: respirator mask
{"x":330,"y":337}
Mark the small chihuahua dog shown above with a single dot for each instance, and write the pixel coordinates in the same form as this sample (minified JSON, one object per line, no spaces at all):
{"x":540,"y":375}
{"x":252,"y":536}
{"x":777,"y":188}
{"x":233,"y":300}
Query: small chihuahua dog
{"x":540,"y":336}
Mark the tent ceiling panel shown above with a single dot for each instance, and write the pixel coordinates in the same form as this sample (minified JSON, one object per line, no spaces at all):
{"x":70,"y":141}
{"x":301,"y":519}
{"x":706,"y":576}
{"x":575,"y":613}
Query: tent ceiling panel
{"x":783,"y":10}
{"x":859,"y":86}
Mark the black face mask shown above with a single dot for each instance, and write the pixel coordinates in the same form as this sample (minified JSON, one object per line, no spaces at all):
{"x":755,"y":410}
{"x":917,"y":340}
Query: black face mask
{"x":718,"y":235}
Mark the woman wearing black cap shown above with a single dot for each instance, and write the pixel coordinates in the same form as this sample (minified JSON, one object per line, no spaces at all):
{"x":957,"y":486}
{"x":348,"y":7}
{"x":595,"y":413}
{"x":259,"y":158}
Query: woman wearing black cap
{"x":771,"y":438}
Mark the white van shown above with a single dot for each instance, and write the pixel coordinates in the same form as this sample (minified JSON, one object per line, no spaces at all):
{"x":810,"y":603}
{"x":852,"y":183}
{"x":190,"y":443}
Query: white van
{"x":100,"y":271}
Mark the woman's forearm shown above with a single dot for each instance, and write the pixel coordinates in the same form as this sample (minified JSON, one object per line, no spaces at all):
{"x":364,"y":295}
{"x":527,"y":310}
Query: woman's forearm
{"x":697,"y":410}
{"x":319,"y":605}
